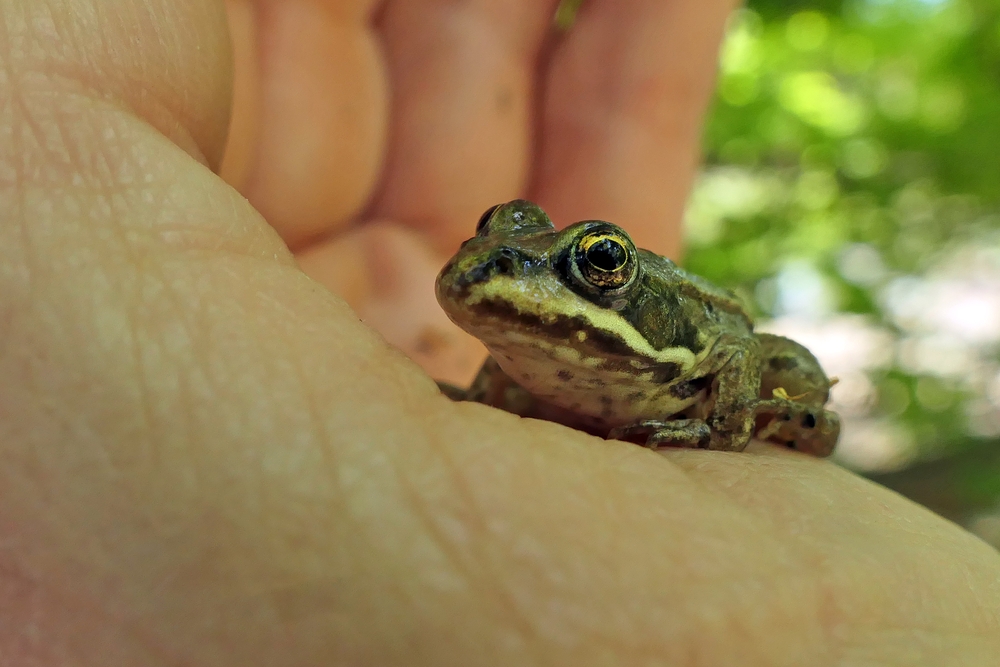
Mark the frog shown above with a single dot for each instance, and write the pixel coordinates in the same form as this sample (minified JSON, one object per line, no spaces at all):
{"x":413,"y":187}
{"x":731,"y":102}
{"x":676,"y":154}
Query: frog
{"x":587,"y":330}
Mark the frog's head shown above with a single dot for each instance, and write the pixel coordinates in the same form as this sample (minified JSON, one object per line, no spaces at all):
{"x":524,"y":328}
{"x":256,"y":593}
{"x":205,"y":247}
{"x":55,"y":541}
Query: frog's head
{"x":581,"y":296}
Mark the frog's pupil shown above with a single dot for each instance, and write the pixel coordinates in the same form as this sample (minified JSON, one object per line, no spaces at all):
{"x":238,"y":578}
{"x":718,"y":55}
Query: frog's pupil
{"x":607,"y":255}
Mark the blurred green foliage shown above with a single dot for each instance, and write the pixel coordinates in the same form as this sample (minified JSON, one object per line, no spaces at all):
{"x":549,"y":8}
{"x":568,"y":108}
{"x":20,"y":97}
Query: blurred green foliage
{"x":852,"y":108}
{"x":855,"y":147}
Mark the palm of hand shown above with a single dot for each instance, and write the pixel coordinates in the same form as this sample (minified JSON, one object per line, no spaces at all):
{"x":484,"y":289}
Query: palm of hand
{"x":217,"y":463}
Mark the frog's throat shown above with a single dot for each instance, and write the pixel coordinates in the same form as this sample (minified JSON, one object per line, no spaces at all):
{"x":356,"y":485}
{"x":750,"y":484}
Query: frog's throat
{"x":547,"y":309}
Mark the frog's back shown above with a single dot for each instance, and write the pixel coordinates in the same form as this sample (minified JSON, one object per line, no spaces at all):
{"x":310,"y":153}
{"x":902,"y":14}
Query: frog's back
{"x":720,"y":304}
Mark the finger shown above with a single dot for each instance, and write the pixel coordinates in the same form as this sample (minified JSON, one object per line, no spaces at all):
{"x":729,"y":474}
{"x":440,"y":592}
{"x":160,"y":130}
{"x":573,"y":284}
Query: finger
{"x":385,"y":271}
{"x":463,"y":78}
{"x":621,"y":120}
{"x":311,"y":119}
{"x":244,"y":123}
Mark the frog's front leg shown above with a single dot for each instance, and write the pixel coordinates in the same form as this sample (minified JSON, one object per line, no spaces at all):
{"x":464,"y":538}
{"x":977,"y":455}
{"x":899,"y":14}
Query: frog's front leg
{"x":736,"y":389}
{"x":495,"y":388}
{"x":734,"y":367}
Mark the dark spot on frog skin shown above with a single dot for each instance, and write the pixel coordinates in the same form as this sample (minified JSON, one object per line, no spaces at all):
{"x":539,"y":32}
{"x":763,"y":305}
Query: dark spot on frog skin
{"x":564,"y":375}
{"x":667,"y":372}
{"x":635,"y":396}
{"x":790,"y":444}
{"x":691,"y":387}
{"x":606,"y":401}
{"x":809,"y":420}
{"x":783,"y":363}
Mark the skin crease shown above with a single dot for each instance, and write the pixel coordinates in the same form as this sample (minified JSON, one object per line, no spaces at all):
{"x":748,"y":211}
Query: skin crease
{"x":208,"y":460}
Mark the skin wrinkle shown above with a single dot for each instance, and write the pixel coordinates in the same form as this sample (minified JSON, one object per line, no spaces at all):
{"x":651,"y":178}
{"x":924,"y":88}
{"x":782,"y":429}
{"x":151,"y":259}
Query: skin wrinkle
{"x":133,"y":318}
{"x":324,"y":438}
{"x":147,"y":372}
{"x":489,"y":579}
{"x":42,"y":268}
{"x":30,"y":254}
{"x":601,"y":634}
{"x":750,"y":517}
{"x":534,"y":639}
{"x":823,"y":566}
{"x":141,"y":339}
{"x":130,"y":304}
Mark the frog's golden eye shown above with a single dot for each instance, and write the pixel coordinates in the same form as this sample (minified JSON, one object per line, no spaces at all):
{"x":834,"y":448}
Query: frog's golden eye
{"x":606,"y":259}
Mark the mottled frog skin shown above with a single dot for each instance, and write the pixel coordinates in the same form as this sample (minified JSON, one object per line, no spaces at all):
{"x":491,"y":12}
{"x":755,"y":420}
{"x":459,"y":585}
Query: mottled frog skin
{"x":586,"y":330}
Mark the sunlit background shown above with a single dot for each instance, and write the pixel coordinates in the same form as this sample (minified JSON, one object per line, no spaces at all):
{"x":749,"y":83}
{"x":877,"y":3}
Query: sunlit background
{"x":851,"y":194}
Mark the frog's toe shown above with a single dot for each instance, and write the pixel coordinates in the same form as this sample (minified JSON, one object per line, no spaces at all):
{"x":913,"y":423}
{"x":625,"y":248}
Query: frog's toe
{"x":689,"y":433}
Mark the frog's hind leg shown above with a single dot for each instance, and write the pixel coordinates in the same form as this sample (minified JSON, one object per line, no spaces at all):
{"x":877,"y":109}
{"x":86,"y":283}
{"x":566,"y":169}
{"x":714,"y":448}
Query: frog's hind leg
{"x":793,"y":391}
{"x":495,"y":388}
{"x":478,"y":390}
{"x":796,"y":425}
{"x":691,"y":433}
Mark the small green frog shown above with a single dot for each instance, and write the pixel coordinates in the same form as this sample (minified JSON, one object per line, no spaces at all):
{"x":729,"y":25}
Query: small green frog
{"x":589,"y":331}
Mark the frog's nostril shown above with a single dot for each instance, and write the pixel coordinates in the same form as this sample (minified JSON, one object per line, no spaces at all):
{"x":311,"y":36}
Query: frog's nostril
{"x":504,"y":262}
{"x":504,"y":265}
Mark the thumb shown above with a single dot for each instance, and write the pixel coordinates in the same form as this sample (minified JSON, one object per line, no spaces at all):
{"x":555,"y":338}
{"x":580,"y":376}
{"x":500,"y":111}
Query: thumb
{"x":156,"y":341}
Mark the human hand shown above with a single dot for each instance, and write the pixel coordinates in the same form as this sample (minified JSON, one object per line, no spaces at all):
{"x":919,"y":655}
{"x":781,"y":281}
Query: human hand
{"x":208,"y":460}
{"x":373,"y":153}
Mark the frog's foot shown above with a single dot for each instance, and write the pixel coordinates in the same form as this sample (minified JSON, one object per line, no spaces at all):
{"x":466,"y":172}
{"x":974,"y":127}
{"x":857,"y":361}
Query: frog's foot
{"x":653,"y":433}
{"x":799,"y":426}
